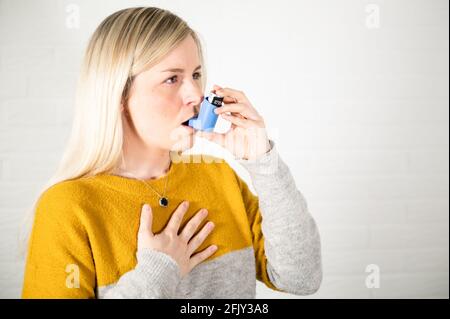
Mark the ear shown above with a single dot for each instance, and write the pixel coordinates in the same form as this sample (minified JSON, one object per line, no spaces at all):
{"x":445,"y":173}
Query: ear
{"x":125,"y":111}
{"x":123,"y":107}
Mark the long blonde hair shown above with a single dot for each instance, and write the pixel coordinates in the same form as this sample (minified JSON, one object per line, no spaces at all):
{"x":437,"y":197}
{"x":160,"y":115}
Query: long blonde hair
{"x":126,"y":43}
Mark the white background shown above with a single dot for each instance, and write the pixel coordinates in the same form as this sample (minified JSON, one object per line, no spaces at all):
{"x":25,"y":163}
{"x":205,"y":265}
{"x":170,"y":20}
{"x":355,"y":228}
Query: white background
{"x":359,"y":112}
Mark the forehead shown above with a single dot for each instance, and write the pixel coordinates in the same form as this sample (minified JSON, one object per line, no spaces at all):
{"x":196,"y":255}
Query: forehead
{"x":184,"y":55}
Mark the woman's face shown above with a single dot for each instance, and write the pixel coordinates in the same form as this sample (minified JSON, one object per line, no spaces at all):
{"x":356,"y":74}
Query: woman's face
{"x":165,"y":96}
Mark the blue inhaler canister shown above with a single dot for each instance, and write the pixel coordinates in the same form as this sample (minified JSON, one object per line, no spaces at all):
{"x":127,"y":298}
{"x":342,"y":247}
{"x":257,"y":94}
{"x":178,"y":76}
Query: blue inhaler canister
{"x":206,"y":119}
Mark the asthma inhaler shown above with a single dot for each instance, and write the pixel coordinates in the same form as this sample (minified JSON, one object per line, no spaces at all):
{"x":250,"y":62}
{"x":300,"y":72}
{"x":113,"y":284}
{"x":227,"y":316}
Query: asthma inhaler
{"x":206,"y":119}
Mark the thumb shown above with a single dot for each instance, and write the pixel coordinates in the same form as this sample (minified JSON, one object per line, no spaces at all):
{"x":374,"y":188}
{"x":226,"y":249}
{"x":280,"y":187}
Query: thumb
{"x":146,"y":219}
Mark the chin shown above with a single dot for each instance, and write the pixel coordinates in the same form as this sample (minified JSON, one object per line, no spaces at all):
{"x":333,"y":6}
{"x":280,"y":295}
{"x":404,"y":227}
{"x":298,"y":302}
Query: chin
{"x":183,"y":136}
{"x":183,"y":145}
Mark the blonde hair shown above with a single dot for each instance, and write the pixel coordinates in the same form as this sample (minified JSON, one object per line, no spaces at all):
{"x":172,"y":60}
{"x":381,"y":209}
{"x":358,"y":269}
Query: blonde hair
{"x":126,"y":43}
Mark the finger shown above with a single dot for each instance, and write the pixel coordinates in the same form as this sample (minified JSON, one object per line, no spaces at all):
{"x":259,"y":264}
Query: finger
{"x":226,"y":99}
{"x":177,"y":217}
{"x":146,"y":221}
{"x":245,"y":123}
{"x":229,"y":100}
{"x":239,"y":96}
{"x":195,"y":242}
{"x":193,"y":224}
{"x":205,"y":253}
{"x":240,"y":108}
{"x":235,"y":107}
{"x":239,"y":115}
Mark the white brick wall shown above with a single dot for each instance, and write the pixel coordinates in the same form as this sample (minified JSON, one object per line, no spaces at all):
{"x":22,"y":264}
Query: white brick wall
{"x":361,"y":117}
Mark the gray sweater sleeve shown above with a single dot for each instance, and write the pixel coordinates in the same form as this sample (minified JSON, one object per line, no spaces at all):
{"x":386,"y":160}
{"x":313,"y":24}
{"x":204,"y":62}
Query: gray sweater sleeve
{"x":291,"y":237}
{"x":156,"y":275}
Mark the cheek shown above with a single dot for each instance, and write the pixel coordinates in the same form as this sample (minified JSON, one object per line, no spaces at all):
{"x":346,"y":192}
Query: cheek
{"x":153,"y":114}
{"x":162,"y":111}
{"x":164,"y":106}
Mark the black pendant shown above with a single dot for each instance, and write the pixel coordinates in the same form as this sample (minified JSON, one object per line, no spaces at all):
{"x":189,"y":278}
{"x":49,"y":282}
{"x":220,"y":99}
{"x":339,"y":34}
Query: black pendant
{"x":163,"y":202}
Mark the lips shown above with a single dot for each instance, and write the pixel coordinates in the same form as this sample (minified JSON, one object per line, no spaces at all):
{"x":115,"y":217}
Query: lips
{"x":186,"y":123}
{"x":196,"y":112}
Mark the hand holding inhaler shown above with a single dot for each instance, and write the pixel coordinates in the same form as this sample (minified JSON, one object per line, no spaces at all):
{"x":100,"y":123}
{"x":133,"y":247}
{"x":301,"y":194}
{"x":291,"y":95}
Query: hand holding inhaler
{"x":247,"y":137}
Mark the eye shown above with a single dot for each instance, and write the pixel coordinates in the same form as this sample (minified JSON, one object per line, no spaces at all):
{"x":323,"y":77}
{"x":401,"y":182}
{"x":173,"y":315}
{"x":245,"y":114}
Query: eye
{"x":173,"y":78}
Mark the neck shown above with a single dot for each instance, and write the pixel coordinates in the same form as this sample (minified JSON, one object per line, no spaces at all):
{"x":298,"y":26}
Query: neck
{"x":144,"y":162}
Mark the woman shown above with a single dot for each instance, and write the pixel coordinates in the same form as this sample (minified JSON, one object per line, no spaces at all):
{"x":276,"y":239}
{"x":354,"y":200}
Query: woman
{"x":126,"y":216}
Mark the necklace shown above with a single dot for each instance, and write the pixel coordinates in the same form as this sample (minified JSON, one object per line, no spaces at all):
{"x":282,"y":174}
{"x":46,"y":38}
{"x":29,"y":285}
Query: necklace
{"x":163,"y":200}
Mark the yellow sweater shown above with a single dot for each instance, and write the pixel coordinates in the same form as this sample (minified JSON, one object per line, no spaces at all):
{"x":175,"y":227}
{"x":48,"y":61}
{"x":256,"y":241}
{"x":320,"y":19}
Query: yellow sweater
{"x":85,"y":231}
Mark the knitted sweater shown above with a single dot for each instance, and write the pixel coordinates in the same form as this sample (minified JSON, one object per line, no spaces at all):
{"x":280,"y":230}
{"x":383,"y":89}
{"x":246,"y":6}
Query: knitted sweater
{"x":84,"y":238}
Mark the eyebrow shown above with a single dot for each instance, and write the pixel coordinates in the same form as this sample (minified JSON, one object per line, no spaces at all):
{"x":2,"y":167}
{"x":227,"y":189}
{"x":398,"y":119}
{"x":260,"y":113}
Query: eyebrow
{"x":180,"y":70}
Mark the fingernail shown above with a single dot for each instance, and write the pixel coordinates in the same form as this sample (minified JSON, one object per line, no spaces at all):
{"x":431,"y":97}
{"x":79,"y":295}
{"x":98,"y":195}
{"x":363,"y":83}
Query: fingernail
{"x":214,"y":247}
{"x":146,"y":207}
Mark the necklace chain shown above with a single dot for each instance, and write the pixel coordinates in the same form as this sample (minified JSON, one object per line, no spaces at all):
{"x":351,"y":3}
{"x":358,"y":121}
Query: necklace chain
{"x":163,"y":200}
{"x":165,"y":186}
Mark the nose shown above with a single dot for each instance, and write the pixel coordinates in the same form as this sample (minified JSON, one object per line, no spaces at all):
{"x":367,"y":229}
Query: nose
{"x":195,"y":100}
{"x":194,"y":96}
